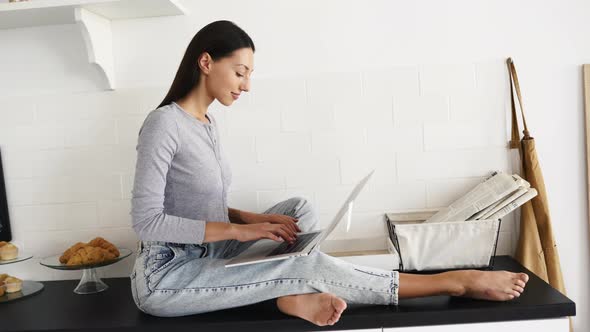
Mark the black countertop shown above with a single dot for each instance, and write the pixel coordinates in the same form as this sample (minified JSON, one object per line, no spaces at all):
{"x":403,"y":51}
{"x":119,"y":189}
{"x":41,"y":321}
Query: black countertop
{"x":57,"y":307}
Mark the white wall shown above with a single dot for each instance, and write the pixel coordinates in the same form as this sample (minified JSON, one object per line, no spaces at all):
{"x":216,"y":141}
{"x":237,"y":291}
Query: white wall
{"x":417,"y":89}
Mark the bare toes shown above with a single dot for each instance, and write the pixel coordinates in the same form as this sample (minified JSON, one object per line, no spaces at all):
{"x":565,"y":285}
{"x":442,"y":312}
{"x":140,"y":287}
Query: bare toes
{"x":519,"y":282}
{"x":524,"y":277}
{"x":334,"y":319}
{"x":518,"y":288}
{"x":338,"y":304}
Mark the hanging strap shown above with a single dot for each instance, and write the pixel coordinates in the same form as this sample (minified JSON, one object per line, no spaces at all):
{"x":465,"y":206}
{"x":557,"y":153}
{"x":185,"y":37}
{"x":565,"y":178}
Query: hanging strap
{"x":515,"y":141}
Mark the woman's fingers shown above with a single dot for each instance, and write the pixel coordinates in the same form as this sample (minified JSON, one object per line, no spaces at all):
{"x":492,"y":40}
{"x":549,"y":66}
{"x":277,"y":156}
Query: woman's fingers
{"x":292,"y":223}
{"x":296,"y":226}
{"x":272,"y":236}
{"x":285,"y":222}
{"x":278,"y":231}
{"x":291,"y":226}
{"x":292,"y":233}
{"x":287,"y":229}
{"x":284,"y":234}
{"x":292,"y":230}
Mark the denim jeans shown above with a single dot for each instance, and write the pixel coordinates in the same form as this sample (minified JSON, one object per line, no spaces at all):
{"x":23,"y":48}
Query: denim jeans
{"x":175,"y":279}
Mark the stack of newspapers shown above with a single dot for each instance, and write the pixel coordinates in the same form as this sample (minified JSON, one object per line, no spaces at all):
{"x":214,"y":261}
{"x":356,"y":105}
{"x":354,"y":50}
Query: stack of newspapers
{"x":494,"y":198}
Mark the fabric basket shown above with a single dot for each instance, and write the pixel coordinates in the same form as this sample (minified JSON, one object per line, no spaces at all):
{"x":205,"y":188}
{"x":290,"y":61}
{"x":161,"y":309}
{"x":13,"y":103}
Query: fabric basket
{"x":445,"y":245}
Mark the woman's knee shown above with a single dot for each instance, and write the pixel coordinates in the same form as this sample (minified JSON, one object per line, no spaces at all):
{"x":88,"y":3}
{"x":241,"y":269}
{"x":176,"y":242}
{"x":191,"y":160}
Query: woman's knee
{"x":305,"y":212}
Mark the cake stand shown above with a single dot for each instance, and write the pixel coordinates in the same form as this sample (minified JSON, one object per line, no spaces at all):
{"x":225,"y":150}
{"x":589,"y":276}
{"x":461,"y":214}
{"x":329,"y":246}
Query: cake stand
{"x":29,"y":287}
{"x":90,"y":283}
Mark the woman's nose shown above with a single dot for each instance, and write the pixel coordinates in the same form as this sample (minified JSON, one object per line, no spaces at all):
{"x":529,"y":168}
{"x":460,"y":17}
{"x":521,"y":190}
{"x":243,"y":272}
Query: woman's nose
{"x":246,"y":85}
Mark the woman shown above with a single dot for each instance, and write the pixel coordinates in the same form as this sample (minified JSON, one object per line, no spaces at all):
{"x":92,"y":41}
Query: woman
{"x":187,"y":231}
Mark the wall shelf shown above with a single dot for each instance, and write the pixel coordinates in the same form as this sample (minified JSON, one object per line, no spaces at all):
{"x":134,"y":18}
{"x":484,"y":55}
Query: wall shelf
{"x":93,"y":17}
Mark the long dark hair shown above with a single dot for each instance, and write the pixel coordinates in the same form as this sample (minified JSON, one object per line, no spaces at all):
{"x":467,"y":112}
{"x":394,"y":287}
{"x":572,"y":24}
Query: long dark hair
{"x":219,"y":39}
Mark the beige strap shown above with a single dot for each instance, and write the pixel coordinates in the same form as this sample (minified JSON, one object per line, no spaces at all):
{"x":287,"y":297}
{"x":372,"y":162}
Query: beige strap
{"x":515,"y":141}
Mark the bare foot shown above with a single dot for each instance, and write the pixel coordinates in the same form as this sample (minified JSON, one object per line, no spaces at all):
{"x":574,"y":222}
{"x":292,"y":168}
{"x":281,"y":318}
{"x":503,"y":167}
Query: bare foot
{"x":490,"y":285}
{"x":318,"y":308}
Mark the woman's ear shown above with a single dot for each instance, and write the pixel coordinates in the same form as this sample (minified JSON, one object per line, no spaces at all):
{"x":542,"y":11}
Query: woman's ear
{"x":204,"y":63}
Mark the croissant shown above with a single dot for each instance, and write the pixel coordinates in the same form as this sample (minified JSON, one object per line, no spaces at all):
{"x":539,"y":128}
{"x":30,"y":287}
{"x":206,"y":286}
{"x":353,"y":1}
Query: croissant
{"x":90,"y":255}
{"x":96,"y":251}
{"x":72,"y":250}
{"x":102,"y":243}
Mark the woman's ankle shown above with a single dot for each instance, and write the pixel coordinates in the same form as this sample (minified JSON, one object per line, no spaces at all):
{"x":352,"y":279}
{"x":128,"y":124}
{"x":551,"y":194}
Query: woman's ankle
{"x":285,"y":301}
{"x":454,"y":282}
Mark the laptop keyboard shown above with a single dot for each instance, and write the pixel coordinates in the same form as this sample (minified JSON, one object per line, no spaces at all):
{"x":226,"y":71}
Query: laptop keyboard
{"x":300,"y":243}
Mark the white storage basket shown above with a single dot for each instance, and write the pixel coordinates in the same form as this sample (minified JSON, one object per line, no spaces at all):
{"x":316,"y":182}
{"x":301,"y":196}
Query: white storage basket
{"x":444,"y":246}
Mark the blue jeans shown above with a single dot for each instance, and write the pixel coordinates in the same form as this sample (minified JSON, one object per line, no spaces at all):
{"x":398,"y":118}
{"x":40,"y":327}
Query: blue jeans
{"x":175,"y":279}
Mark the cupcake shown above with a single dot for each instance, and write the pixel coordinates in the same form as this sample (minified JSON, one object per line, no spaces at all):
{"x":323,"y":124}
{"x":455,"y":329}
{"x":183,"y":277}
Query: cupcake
{"x":8,"y":251}
{"x":13,"y":284}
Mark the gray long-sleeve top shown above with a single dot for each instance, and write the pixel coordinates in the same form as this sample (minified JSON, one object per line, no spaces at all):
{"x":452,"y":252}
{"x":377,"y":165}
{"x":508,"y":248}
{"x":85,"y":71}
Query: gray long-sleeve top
{"x":181,"y":177}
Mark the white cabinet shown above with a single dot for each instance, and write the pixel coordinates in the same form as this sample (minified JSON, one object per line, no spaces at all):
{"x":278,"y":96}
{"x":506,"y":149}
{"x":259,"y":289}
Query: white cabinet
{"x":538,"y":325}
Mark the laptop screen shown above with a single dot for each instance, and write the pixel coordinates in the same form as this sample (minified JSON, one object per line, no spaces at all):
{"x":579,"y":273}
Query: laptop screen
{"x":346,"y":207}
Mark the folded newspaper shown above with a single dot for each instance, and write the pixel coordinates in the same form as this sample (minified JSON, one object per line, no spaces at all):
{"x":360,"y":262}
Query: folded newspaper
{"x":494,"y":198}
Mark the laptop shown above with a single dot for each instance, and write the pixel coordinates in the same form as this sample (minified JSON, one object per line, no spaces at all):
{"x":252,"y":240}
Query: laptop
{"x":265,"y":250}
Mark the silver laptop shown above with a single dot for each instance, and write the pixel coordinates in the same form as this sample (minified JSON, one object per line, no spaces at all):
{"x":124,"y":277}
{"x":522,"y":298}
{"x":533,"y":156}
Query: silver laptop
{"x":265,"y":250}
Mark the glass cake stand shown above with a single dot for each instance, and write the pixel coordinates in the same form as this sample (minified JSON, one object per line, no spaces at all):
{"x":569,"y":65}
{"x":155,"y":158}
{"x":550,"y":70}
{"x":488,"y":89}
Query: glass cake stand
{"x":20,"y":258}
{"x":29,"y":287}
{"x":90,"y":283}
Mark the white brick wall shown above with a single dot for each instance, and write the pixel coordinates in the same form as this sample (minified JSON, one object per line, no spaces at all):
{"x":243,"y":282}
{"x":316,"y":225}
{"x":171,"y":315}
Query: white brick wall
{"x":431,"y":132}
{"x":457,"y":79}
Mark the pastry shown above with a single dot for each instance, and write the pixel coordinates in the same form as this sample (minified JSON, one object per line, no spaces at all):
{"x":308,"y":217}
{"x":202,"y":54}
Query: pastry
{"x":100,"y":242}
{"x":8,"y":251}
{"x":9,"y":284}
{"x":90,"y":255}
{"x":96,"y":251}
{"x":13,"y":284}
{"x":71,"y":250}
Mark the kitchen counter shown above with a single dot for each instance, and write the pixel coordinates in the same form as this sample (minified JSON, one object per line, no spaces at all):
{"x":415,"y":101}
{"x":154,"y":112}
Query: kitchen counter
{"x":57,"y":307}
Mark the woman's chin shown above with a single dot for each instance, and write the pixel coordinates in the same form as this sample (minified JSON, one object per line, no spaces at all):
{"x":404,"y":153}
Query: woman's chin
{"x":226,"y":102}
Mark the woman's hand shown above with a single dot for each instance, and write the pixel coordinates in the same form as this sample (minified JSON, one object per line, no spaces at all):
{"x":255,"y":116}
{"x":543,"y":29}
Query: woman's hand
{"x":265,"y":230}
{"x":275,"y":219}
{"x":244,"y":217}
